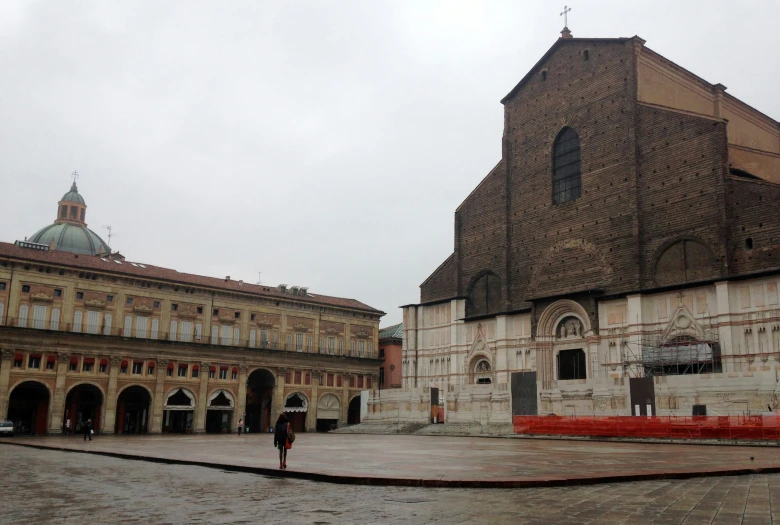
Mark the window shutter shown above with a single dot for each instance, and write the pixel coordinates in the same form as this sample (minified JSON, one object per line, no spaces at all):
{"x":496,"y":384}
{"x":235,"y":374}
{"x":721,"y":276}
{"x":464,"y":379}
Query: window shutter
{"x":107,"y":319}
{"x":54,"y":323}
{"x":77,"y":316}
{"x":128,"y":326}
{"x":214,"y":334}
{"x":39,"y":317}
{"x":236,"y":335}
{"x":2,"y":318}
{"x":225,"y":335}
{"x":93,"y":322}
{"x":155,"y":328}
{"x":174,"y":328}
{"x":198,"y":331}
{"x":23,"y":316}
{"x":252,"y":335}
{"x":140,"y":326}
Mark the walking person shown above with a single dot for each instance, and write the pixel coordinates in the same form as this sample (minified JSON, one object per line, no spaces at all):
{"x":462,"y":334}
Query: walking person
{"x":67,"y":427}
{"x":88,"y":430}
{"x":283,"y":438}
{"x":240,"y":426}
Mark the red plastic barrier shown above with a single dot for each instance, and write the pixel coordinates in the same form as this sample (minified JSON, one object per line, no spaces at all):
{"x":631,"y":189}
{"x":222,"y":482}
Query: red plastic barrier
{"x":681,"y":427}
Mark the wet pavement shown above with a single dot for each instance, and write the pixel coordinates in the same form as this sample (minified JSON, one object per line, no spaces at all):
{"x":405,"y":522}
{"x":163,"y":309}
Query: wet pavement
{"x":46,"y":486}
{"x":432,"y":461}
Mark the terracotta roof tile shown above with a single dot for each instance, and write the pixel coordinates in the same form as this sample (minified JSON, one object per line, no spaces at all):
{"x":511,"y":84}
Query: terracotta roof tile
{"x":89,"y":262}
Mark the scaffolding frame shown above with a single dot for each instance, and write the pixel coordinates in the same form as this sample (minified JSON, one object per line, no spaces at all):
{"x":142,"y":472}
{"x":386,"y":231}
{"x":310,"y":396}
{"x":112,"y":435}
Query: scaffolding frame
{"x":685,"y":352}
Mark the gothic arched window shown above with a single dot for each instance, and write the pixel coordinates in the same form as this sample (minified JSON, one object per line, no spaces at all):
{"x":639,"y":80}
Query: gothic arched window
{"x":484,"y":295}
{"x":566,"y":178}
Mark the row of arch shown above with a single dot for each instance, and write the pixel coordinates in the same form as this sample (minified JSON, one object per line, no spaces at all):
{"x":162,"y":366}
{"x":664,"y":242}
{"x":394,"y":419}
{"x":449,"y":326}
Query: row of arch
{"x":30,"y":404}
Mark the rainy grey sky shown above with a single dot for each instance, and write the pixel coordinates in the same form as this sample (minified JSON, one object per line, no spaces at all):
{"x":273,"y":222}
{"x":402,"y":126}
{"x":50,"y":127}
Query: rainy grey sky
{"x":325,"y":144}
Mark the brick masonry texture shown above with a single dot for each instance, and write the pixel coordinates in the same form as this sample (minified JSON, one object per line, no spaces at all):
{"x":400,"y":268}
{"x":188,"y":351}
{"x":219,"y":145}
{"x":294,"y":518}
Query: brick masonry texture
{"x":651,"y":178}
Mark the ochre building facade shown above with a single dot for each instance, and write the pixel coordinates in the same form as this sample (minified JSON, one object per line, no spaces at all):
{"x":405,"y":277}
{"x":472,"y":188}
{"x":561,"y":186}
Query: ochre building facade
{"x":623,"y":257}
{"x":143,"y":349}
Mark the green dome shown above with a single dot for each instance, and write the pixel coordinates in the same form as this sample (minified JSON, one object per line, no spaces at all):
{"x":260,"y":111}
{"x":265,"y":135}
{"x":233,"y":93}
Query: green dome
{"x":73,"y":195}
{"x":71,"y":238}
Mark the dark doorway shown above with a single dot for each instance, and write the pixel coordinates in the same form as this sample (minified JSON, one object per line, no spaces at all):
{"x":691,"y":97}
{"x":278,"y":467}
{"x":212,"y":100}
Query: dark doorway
{"x":326,"y":425}
{"x":353,"y":412}
{"x":296,"y":407}
{"x":642,"y":390}
{"x":218,"y":421}
{"x":178,"y":421}
{"x":132,"y":411}
{"x":219,"y":414}
{"x":524,"y":394}
{"x":571,"y":364}
{"x":259,"y":392}
{"x":84,"y":402}
{"x":28,"y":408}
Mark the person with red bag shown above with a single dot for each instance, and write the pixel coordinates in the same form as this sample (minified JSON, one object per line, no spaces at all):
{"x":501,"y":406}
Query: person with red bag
{"x":283,"y":438}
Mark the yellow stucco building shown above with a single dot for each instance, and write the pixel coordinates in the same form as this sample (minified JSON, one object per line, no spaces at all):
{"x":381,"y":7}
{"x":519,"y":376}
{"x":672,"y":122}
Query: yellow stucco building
{"x":88,"y":334}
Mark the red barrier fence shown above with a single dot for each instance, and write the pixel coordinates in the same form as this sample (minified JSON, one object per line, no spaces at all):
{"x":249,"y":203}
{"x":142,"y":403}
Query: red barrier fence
{"x":680,"y":427}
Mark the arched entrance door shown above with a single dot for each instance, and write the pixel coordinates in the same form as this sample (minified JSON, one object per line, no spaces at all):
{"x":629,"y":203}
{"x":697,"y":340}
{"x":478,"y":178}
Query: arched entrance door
{"x":259,"y":393}
{"x":328,"y":409}
{"x":219,"y":412}
{"x":28,"y":408}
{"x":132,"y":411}
{"x":296,"y":407}
{"x":84,"y":402}
{"x":353,"y":412}
{"x":179,"y":411}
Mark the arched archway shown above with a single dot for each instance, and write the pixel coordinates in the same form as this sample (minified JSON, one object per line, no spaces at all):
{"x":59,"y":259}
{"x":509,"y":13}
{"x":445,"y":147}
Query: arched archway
{"x":84,"y":402}
{"x":259,"y":395}
{"x":353,"y":411}
{"x":132,"y":410}
{"x":295,"y":406}
{"x":328,"y":412}
{"x":219,"y":411}
{"x":28,"y":407}
{"x":481,"y":370}
{"x":179,"y":411}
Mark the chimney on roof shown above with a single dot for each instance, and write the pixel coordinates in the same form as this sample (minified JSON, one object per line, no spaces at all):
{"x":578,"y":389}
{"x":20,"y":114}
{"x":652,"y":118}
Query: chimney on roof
{"x":240,"y":283}
{"x":294,"y":290}
{"x":282,"y":288}
{"x":227,"y":278}
{"x":304,"y":291}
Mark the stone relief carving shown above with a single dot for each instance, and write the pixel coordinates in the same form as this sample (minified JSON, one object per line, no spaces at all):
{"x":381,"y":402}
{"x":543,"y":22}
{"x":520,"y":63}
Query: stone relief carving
{"x":7,"y":354}
{"x":63,"y":357}
{"x":482,"y":367}
{"x":570,"y":327}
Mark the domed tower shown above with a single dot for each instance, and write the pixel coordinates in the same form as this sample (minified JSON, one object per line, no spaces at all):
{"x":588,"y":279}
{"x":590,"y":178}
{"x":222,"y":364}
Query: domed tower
{"x":69,"y":233}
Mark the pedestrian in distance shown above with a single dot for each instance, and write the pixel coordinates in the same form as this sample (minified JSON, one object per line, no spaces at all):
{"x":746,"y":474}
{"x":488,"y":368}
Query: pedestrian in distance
{"x":240,"y":426}
{"x":67,"y":427}
{"x":283,"y":438}
{"x":88,"y":430}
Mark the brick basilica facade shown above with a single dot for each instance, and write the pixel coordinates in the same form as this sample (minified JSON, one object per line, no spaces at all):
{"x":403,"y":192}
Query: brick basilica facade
{"x":87,"y":334}
{"x":623,"y":256}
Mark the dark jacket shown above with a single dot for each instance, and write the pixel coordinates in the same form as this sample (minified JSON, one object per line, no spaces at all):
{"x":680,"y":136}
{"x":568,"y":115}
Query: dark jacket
{"x":280,"y":435}
{"x":87,"y":427}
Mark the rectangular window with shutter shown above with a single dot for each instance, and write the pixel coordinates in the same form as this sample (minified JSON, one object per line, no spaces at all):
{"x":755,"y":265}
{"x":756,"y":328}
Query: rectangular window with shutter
{"x":330,"y":379}
{"x":77,"y":319}
{"x":236,"y":335}
{"x":308,"y":344}
{"x":214,"y":334}
{"x":299,"y":342}
{"x":198,"y":332}
{"x":361,"y":348}
{"x":93,"y":322}
{"x":323,"y":347}
{"x":39,"y":316}
{"x":297,"y":377}
{"x":252,"y":336}
{"x":128,"y":331}
{"x":140,"y":327}
{"x":352,"y":348}
{"x":186,"y":331}
{"x":54,"y":323}
{"x":23,"y":316}
{"x":107,"y":319}
{"x":155,"y":328}
{"x":289,"y":342}
{"x":264,"y":338}
{"x":173,"y":336}
{"x":331,"y":345}
{"x":226,"y":336}
{"x":341,"y":346}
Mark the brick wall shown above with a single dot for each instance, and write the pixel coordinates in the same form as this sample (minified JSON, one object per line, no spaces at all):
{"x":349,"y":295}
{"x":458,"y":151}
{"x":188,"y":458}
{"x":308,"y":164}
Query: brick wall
{"x":753,"y":214}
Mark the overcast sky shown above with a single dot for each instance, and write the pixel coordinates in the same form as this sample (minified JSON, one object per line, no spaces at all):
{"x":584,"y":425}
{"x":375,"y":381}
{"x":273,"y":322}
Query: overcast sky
{"x":325,"y":144}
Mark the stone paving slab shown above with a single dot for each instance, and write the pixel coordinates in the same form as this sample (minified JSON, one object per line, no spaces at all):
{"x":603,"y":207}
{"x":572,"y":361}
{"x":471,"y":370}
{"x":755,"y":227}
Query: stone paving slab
{"x":407,"y":460}
{"x":53,"y":487}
